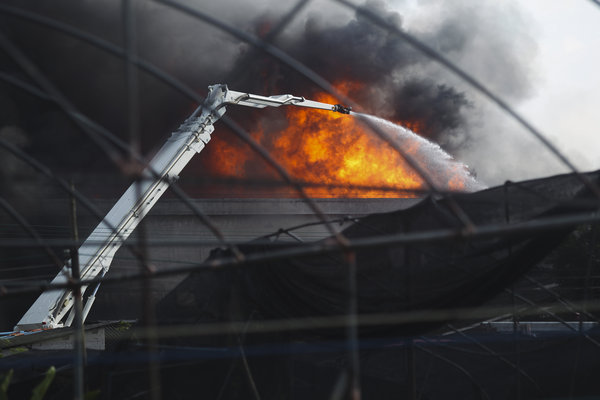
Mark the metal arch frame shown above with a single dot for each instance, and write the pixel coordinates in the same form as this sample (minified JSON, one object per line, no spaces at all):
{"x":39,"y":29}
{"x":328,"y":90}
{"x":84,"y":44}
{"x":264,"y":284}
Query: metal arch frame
{"x":592,"y":0}
{"x":90,"y":128}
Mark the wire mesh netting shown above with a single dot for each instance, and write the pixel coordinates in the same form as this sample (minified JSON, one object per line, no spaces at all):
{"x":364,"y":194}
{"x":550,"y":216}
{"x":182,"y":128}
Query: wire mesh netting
{"x":302,"y":253}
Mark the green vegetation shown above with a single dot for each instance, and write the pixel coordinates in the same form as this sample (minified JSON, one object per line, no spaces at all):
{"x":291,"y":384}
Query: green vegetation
{"x":123,"y":326}
{"x":40,"y":390}
{"x":4,"y":385}
{"x":92,"y":395}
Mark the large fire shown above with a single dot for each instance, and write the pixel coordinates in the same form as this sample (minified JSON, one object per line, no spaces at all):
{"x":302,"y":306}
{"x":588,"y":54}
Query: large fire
{"x":335,"y":153}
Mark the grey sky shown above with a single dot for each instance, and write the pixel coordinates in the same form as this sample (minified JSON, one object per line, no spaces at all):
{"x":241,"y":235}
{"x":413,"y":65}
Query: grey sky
{"x":566,"y":105}
{"x":563,"y":97}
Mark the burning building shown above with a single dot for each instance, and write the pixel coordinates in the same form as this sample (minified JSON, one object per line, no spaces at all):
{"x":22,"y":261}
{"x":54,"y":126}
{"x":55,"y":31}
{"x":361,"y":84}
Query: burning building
{"x":325,"y":149}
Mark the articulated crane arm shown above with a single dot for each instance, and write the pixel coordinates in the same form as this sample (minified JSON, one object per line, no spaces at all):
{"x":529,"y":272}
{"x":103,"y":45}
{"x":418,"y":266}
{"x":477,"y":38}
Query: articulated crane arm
{"x":97,"y":252}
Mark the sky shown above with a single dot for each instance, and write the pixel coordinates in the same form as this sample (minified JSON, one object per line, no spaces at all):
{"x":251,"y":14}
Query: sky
{"x":563,"y":101}
{"x":566,"y":105}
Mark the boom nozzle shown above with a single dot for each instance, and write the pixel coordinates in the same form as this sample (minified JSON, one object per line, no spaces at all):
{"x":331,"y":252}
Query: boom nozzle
{"x":341,"y":109}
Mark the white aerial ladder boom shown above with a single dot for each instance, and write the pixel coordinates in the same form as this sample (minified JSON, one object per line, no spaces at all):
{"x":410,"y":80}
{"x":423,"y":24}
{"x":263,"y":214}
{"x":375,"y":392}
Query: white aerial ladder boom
{"x":97,"y":252}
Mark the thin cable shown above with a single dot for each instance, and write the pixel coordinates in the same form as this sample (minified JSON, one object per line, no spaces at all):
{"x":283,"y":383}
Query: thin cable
{"x":352,"y":327}
{"x":559,"y":319}
{"x":326,"y":86}
{"x":269,"y":38}
{"x":499,"y":356}
{"x":104,"y":45}
{"x":92,"y":129}
{"x":31,"y":232}
{"x":262,"y":152}
{"x":437,"y":235}
{"x":434,"y":55}
{"x":240,"y":132}
{"x":61,"y":182}
{"x":466,"y":373}
{"x":327,"y":247}
{"x":558,"y":297}
{"x":133,"y":60}
{"x":323,"y":84}
{"x":107,"y":46}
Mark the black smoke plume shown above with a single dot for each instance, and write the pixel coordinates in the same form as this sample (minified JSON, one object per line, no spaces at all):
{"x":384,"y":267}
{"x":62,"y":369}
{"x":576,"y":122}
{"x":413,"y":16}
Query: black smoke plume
{"x":361,"y":52}
{"x":397,"y":81}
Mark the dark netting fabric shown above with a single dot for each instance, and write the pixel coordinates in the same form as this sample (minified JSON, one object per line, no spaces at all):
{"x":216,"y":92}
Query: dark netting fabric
{"x":399,"y":277}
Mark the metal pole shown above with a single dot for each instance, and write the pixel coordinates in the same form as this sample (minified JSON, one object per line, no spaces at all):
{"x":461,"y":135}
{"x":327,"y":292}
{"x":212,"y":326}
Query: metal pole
{"x":515,"y":312}
{"x":409,"y":260}
{"x":133,"y":111}
{"x":78,"y":335}
{"x":352,"y":328}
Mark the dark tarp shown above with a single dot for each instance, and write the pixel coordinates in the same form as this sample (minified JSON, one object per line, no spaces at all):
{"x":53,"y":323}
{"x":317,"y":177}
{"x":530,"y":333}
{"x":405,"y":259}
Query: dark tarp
{"x":395,"y":278}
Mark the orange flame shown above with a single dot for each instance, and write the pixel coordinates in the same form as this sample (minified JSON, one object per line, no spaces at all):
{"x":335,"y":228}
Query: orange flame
{"x":333,"y":151}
